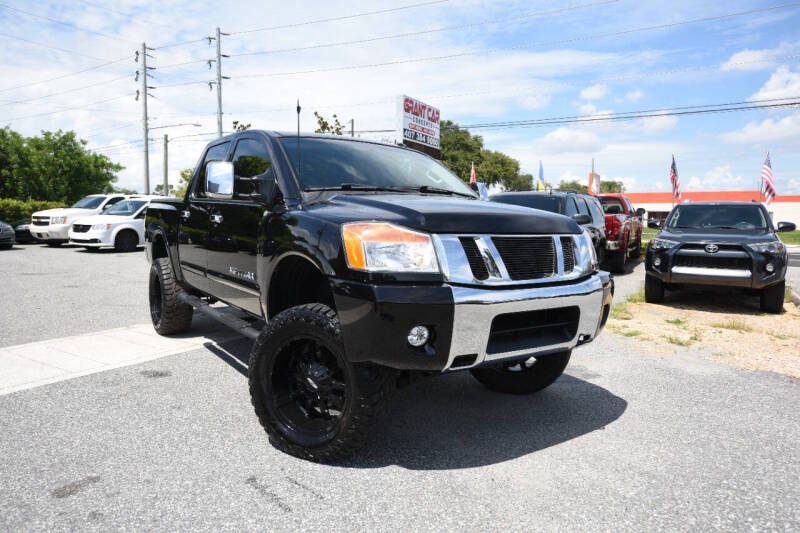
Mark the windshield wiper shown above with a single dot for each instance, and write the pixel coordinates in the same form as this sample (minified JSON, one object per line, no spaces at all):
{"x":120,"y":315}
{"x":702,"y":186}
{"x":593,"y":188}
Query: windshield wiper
{"x":427,"y":189}
{"x":350,"y":187}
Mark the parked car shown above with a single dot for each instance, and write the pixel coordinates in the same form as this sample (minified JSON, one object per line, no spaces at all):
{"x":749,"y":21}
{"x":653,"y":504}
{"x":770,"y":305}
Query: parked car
{"x":120,"y":227}
{"x":727,"y":244}
{"x":371,"y":263}
{"x":52,"y":226}
{"x":583,"y":208}
{"x":623,"y":230}
{"x":6,"y":236}
{"x":22,"y":231}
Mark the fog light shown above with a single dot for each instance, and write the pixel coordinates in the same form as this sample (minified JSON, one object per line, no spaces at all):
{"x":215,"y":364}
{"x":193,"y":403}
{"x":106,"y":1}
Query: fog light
{"x":770,"y":267}
{"x":417,"y":336}
{"x":657,"y":261}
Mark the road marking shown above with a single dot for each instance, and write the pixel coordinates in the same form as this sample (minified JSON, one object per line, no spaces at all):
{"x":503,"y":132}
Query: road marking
{"x":26,"y":366}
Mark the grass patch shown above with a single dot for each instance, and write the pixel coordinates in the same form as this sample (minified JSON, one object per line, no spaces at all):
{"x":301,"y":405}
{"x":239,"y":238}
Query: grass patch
{"x":620,"y":311}
{"x":786,"y":297}
{"x":632,"y":332}
{"x":734,"y":324}
{"x":637,"y":298}
{"x":675,"y":321}
{"x":677,"y":341}
{"x":780,"y":336}
{"x":790,"y":237}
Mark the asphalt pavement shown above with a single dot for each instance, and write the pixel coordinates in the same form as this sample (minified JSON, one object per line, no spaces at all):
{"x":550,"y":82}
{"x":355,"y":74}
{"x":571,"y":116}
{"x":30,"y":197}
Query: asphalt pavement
{"x":624,"y":441}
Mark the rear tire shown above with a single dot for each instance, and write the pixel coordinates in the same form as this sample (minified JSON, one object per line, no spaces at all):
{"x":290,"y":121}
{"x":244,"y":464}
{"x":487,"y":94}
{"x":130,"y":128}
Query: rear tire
{"x":521,"y":378}
{"x":617,"y":260}
{"x":54,"y":244}
{"x":313,"y":402}
{"x":772,"y":298}
{"x":653,"y":289}
{"x":6,"y":246}
{"x":637,"y":253}
{"x":168,"y":313}
{"x":126,"y":241}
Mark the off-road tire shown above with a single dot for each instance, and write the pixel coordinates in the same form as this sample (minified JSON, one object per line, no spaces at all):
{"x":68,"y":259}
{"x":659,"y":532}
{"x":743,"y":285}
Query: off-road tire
{"x":772,"y":298}
{"x":168,"y":313}
{"x":653,"y":289}
{"x":617,"y":260}
{"x":6,"y":246}
{"x":126,"y":241}
{"x":54,"y":244}
{"x":366,"y":386}
{"x":526,"y":380}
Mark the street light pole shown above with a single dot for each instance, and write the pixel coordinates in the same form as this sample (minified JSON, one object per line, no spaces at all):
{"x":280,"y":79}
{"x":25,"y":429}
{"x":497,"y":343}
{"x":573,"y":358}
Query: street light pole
{"x":166,"y":180}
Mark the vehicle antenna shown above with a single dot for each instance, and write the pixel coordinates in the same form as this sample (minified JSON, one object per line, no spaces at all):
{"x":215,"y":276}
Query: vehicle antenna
{"x":298,"y":139}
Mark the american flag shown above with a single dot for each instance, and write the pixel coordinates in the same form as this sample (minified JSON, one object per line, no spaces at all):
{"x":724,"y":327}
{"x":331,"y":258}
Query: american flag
{"x":676,"y":183}
{"x":769,"y":183}
{"x":472,"y":177}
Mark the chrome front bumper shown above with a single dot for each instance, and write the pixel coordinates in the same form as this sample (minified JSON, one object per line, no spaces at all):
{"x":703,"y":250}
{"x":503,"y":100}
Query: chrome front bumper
{"x":476,"y":308}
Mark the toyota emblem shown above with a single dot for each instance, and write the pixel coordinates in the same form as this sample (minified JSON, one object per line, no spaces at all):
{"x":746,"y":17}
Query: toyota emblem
{"x":712,"y":248}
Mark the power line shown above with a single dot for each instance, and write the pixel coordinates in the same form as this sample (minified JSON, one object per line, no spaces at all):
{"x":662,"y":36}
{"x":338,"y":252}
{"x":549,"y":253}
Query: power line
{"x":106,"y":82}
{"x":68,"y":24}
{"x":136,"y":18}
{"x":65,"y":75}
{"x":519,"y":46}
{"x":127,"y":95}
{"x":180,"y":43}
{"x":343,"y":17}
{"x":52,"y":47}
{"x":521,"y":16}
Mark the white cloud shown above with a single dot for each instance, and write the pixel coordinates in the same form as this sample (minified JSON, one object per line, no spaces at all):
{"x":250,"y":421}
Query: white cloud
{"x":587,"y":109}
{"x":594,"y":92}
{"x":783,"y":83}
{"x":568,"y":140}
{"x":634,"y":96}
{"x":718,"y":178}
{"x":764,"y":58}
{"x":658,"y":124}
{"x":793,"y":186}
{"x":767,"y":131}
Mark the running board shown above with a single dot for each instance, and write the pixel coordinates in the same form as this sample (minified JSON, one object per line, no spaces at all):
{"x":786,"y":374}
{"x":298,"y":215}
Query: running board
{"x":237,"y":324}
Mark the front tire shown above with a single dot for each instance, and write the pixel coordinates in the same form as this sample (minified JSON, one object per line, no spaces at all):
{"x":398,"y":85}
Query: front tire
{"x":653,"y":289}
{"x":313,"y":402}
{"x":168,"y":313}
{"x":126,"y":241}
{"x":525,"y":377}
{"x":772,"y":298}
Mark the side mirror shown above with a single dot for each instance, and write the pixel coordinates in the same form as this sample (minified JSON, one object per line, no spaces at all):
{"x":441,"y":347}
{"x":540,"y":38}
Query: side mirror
{"x":786,"y":226}
{"x":655,"y":224}
{"x":219,"y":180}
{"x":582,"y":218}
{"x":640,"y":212}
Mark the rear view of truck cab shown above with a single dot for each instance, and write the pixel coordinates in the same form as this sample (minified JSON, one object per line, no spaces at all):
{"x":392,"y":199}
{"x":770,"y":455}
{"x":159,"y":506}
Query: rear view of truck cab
{"x":357,"y":265}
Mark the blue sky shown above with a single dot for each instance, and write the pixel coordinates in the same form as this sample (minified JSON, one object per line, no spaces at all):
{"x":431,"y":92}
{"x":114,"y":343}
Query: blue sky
{"x":541,"y":60}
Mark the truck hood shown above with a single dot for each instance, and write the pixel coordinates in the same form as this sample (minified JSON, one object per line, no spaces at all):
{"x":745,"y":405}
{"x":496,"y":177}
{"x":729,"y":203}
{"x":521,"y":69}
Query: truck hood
{"x":717,"y":236}
{"x":442,"y":214}
{"x":64,"y":211}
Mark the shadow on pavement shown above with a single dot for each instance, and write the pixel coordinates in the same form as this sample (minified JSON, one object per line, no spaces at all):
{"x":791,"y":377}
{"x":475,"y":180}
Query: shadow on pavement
{"x":714,"y":300}
{"x":451,"y":421}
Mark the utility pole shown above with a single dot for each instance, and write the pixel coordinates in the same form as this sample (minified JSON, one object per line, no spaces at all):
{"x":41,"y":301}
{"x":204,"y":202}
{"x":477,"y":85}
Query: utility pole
{"x":220,"y":77}
{"x":145,"y":131}
{"x":352,"y":127}
{"x":166,"y":179}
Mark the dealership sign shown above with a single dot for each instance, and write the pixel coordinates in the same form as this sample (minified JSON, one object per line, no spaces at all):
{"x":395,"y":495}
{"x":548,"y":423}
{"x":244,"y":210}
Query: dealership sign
{"x":418,"y":124}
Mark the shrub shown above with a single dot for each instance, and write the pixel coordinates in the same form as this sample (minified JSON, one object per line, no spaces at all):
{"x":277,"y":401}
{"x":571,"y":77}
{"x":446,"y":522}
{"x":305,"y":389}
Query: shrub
{"x":12,"y":210}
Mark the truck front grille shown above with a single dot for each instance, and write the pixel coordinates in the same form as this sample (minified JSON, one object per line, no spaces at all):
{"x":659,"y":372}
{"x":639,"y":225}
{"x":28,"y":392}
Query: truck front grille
{"x":711,"y":261}
{"x":527,"y":257}
{"x":568,"y":249}
{"x":80,"y":228}
{"x":41,"y":221}
{"x":474,"y":258}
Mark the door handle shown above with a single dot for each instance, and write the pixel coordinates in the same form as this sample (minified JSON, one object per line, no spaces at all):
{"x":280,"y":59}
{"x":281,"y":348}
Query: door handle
{"x":185,"y":214}
{"x":216,"y":219}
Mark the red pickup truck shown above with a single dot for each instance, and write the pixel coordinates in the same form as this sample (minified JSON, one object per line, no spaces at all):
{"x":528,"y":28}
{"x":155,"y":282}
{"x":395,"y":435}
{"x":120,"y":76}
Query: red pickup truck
{"x":623,"y":230}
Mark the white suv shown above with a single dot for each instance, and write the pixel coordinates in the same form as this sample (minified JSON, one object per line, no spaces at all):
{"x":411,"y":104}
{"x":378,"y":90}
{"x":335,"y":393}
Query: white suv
{"x":52,"y":226}
{"x":121,"y":227}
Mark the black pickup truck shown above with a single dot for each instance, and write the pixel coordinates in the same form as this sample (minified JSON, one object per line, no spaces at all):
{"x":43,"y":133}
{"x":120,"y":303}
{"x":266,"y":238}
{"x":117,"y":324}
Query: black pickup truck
{"x":357,"y":265}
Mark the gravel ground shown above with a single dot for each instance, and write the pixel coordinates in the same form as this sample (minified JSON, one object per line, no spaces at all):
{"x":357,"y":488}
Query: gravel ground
{"x":624,"y":442}
{"x":55,"y":292}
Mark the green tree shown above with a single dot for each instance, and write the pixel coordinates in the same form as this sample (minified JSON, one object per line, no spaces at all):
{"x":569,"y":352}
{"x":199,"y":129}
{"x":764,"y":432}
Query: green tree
{"x":611,"y":186}
{"x":240,"y":126}
{"x":332,"y":126}
{"x":183,"y":183}
{"x":54,"y":166}
{"x":159,"y":189}
{"x":605,"y":186}
{"x":460,"y":149}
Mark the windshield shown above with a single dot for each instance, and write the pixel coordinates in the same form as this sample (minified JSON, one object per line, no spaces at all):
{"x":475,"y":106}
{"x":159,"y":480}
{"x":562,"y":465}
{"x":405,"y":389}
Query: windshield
{"x":90,"y":202}
{"x":545,"y":202}
{"x":333,"y":163}
{"x":126,"y":208}
{"x":612,"y":206}
{"x":741,"y":217}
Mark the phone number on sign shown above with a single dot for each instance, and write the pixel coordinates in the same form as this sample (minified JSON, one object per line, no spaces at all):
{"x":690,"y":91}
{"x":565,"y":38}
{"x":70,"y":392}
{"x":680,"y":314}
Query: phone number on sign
{"x":420,"y":137}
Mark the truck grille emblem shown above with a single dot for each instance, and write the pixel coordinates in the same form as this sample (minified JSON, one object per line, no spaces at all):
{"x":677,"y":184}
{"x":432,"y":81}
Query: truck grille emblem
{"x":712,"y":248}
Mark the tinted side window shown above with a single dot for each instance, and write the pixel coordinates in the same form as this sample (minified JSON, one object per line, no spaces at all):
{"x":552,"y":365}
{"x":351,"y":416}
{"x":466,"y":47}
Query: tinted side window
{"x":215,"y":153}
{"x":570,"y":208}
{"x":582,"y":206}
{"x":113,"y":201}
{"x":597,"y":212}
{"x":250,"y":158}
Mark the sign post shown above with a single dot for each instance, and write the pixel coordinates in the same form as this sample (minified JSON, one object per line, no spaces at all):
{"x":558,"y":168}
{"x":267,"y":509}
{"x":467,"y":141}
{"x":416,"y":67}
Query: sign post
{"x":418,"y":126}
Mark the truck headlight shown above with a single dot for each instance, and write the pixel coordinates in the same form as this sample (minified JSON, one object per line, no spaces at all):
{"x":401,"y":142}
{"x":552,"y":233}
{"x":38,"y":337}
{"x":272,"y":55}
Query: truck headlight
{"x":663,"y":244}
{"x":382,"y":247}
{"x":101,"y":227}
{"x":58,"y":220}
{"x":772,"y":247}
